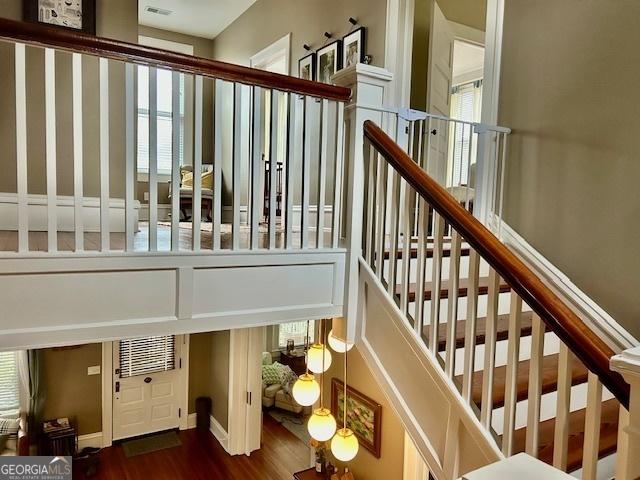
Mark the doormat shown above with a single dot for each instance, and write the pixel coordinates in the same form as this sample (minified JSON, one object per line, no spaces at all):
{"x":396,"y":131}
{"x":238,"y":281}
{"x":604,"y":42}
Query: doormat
{"x":149,"y":444}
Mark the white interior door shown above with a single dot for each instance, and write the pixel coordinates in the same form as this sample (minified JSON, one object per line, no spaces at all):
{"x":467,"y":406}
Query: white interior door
{"x":253,"y":434}
{"x":146,"y":389}
{"x":439,"y":80}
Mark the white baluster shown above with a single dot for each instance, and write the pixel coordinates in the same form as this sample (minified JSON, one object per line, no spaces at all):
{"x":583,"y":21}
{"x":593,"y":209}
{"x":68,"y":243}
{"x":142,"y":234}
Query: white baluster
{"x":511,"y":381}
{"x":78,"y":187}
{"x":337,"y":186}
{"x":383,"y":171}
{"x":196,"y":214}
{"x":273,"y":166}
{"x":153,"y":159}
{"x":470,"y":325}
{"x":486,"y":409}
{"x":21,"y":148}
{"x":563,"y":404}
{"x":590,"y":451}
{"x":452,"y":317}
{"x":50,"y":141}
{"x":104,"y":155}
{"x":217,"y":164}
{"x":534,"y":397}
{"x":436,"y":281}
{"x":306,"y":168}
{"x":256,"y":165}
{"x":293,"y":151}
{"x":175,"y":160}
{"x":130,"y":146}
{"x":370,"y":159}
{"x":322,"y":171}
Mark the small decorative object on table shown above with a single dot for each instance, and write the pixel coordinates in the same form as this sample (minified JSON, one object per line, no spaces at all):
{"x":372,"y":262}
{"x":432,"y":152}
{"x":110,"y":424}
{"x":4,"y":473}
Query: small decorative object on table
{"x":291,"y":345}
{"x":79,"y":15}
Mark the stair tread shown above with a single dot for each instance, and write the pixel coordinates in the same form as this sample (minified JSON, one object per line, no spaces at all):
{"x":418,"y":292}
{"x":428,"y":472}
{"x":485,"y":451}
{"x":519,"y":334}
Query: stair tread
{"x":463,"y":287}
{"x":502,"y":330}
{"x":549,"y":379}
{"x":608,"y":436}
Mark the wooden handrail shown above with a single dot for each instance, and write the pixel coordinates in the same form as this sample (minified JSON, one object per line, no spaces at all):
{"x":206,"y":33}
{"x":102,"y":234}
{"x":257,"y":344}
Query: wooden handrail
{"x":45,"y":36}
{"x":560,"y":319}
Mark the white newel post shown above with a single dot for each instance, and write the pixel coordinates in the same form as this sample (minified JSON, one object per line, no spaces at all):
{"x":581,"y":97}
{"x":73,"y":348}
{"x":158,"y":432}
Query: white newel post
{"x":628,"y":459}
{"x":368,"y":85}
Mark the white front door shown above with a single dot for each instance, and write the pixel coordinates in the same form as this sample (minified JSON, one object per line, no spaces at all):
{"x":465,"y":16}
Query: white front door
{"x":147,"y":380}
{"x":440,"y":76}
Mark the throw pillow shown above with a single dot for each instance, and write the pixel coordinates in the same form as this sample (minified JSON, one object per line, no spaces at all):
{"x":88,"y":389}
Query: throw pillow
{"x":207,"y":180}
{"x":187,"y":180}
{"x":287,"y":379}
{"x":9,"y":426}
{"x":270,"y":375}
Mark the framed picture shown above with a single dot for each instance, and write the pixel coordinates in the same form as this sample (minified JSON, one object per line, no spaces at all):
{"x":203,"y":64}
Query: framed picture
{"x":78,"y":15}
{"x":364,"y":416}
{"x":307,"y":67}
{"x":329,"y":61}
{"x":353,"y":47}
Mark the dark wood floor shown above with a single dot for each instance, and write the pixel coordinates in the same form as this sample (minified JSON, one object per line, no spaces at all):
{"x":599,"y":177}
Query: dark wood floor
{"x":201,"y":457}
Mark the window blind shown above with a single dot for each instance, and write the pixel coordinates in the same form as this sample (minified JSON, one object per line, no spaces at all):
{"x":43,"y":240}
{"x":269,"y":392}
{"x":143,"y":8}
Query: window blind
{"x":164,"y":119}
{"x":9,"y":381}
{"x":142,"y":356}
{"x":465,"y":106}
{"x":296,"y":331}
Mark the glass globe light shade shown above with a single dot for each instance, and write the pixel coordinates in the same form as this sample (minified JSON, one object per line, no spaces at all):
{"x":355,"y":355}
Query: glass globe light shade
{"x":306,"y":390}
{"x":321,"y":425}
{"x":338,"y":345}
{"x":314,"y":358}
{"x":344,"y":445}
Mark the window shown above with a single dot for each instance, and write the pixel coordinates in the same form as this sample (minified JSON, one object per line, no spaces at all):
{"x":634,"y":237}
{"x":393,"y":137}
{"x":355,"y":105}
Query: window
{"x":466,"y":101}
{"x":296,"y":331}
{"x":142,"y":356}
{"x":164,"y":119}
{"x":9,"y":382}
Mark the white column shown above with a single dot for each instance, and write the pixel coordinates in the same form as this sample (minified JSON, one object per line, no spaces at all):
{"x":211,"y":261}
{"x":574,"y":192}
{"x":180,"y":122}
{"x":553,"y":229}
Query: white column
{"x":628,"y":365}
{"x":368,"y":85}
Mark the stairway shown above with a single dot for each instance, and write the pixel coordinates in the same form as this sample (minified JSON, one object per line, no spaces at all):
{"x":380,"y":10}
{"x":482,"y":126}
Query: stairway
{"x":550,"y":361}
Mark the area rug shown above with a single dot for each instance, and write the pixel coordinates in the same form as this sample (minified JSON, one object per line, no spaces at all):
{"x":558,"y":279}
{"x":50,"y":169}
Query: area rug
{"x":151,"y":443}
{"x":295,"y":424}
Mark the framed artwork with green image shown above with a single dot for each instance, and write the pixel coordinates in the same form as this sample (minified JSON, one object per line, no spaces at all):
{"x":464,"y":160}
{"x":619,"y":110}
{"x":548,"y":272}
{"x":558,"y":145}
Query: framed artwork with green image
{"x":364,"y":415}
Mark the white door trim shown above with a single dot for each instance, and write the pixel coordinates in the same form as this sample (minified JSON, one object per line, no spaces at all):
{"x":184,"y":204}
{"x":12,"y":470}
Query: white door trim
{"x":107,"y":389}
{"x":492,"y":61}
{"x":398,"y":50}
{"x":279,"y":48}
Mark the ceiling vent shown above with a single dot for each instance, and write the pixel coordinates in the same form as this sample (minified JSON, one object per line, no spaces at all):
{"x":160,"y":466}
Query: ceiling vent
{"x":158,"y":11}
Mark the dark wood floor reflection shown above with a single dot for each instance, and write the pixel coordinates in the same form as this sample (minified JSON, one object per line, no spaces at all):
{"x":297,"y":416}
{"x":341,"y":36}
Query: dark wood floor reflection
{"x":201,"y":457}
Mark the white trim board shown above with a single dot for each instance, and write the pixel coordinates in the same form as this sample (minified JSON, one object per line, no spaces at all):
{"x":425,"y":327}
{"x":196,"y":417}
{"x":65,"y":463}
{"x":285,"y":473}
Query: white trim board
{"x":219,"y":432}
{"x":90,"y":440}
{"x":604,"y":324}
{"x":38,"y":213}
{"x":281,"y":48}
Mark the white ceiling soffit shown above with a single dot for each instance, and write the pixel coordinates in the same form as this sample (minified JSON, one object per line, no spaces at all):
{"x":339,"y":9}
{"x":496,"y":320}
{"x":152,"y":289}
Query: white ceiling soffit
{"x":202,"y":18}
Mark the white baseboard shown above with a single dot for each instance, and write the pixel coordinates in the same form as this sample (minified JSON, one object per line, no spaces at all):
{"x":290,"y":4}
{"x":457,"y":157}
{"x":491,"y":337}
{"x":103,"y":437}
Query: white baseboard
{"x":219,"y":432}
{"x":588,"y":310}
{"x":191,"y":420}
{"x":90,"y":440}
{"x":38,"y":213}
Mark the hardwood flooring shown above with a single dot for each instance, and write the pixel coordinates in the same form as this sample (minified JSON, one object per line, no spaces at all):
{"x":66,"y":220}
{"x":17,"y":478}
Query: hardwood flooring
{"x":201,"y":457}
{"x":66,"y":240}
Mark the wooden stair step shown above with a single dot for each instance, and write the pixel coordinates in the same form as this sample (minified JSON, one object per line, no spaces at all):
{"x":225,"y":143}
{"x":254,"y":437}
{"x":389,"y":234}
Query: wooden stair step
{"x":446,"y":252}
{"x":608,"y":436}
{"x":502,"y":327}
{"x":463,"y":287}
{"x":549,"y":380}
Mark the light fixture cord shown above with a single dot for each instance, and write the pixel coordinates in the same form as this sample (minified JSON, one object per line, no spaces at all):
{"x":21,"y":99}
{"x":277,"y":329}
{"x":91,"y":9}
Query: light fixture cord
{"x":306,"y":349}
{"x":322,"y":374}
{"x":344,"y":413}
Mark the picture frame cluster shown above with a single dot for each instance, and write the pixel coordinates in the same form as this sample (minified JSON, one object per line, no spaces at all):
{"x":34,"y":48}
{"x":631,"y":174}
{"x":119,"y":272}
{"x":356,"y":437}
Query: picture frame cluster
{"x":326,"y":61}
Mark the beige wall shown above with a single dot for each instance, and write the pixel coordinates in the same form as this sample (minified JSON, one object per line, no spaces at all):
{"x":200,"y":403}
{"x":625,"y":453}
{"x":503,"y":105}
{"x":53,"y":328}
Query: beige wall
{"x":115,"y":19}
{"x":366,"y":465}
{"x":209,"y":372}
{"x":67,"y":389}
{"x":568,"y":92}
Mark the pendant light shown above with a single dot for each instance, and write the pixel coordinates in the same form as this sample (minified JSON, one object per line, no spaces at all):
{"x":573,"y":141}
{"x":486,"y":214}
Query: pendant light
{"x":322,"y":425}
{"x":306,"y":390}
{"x":338,"y":345}
{"x":318,"y":358}
{"x":344,"y":444}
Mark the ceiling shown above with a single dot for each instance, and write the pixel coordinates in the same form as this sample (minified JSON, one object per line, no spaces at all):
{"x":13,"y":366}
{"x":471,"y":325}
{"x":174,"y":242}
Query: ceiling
{"x":202,"y":18}
{"x":468,"y":60}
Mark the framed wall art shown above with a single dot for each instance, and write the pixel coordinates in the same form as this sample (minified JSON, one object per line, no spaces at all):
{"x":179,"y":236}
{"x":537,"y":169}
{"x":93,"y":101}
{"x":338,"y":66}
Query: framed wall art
{"x":354,"y":47}
{"x":307,"y":67}
{"x":329,"y":61}
{"x":78,"y":15}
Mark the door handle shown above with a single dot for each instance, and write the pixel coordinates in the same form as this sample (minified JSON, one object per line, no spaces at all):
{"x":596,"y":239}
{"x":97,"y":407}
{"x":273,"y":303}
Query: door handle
{"x":147,"y":380}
